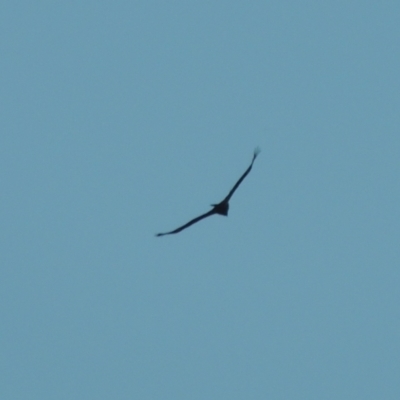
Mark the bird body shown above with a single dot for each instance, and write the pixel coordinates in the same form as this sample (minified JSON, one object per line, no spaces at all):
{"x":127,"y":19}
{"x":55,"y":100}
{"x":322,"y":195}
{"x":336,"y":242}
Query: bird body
{"x":220,"y":208}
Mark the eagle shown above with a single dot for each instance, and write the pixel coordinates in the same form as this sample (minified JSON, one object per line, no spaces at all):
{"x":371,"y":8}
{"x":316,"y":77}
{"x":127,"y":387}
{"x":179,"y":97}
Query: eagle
{"x":220,"y":208}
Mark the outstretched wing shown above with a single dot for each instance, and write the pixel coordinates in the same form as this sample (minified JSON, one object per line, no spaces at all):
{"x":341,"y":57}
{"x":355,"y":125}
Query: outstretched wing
{"x":255,"y":154}
{"x":193,"y":221}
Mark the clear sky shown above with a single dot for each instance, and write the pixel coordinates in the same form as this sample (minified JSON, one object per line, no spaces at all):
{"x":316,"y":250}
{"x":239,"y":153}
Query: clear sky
{"x":120,"y":119}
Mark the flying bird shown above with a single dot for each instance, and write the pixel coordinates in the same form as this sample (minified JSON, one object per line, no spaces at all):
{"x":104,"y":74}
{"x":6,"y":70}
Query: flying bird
{"x":220,"y":208}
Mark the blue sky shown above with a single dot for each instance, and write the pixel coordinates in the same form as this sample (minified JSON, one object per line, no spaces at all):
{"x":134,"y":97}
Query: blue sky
{"x":122,"y":119}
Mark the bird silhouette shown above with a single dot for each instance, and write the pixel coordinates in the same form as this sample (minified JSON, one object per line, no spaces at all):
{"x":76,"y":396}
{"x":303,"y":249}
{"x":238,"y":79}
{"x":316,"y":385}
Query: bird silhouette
{"x":220,"y":208}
